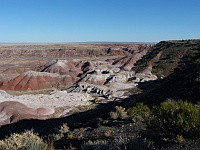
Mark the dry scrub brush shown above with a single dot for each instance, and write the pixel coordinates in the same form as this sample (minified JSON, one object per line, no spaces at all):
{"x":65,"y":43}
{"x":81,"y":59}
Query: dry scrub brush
{"x":24,"y":141}
{"x":119,"y":113}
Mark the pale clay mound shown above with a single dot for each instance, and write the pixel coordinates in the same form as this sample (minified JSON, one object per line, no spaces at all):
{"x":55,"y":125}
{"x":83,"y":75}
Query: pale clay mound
{"x":55,"y":100}
{"x":15,"y":108}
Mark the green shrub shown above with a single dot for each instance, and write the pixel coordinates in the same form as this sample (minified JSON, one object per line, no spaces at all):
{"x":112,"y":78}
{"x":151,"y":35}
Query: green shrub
{"x":113,"y":115}
{"x":178,"y":117}
{"x":24,"y":141}
{"x":139,"y":112}
{"x":64,"y":128}
{"x":119,"y":113}
{"x":61,"y":132}
{"x":179,"y":139}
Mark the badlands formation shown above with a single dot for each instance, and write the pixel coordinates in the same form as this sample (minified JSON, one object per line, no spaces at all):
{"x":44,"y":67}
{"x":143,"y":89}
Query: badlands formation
{"x":50,"y":81}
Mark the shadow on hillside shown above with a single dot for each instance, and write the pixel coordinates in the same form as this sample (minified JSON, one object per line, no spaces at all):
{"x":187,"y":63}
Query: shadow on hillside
{"x":45,"y":127}
{"x":147,"y":85}
{"x":182,"y":84}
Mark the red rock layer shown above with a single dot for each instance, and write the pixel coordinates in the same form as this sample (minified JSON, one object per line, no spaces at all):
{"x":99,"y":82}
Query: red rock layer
{"x":35,"y":82}
{"x":128,"y":62}
{"x":52,"y":74}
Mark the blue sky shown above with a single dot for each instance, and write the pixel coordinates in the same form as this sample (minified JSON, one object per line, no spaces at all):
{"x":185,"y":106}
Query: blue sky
{"x":46,"y":21}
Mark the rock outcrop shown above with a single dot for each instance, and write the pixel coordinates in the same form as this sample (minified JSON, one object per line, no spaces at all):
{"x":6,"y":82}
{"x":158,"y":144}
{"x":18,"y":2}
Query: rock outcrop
{"x":91,"y":89}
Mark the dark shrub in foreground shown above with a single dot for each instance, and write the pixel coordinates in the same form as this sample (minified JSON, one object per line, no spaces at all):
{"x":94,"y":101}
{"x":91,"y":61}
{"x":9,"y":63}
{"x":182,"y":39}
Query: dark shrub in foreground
{"x":179,"y":117}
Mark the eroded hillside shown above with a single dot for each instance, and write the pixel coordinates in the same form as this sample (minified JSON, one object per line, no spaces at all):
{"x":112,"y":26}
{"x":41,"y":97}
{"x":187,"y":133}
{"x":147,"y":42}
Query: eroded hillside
{"x":125,"y":87}
{"x":101,"y":71}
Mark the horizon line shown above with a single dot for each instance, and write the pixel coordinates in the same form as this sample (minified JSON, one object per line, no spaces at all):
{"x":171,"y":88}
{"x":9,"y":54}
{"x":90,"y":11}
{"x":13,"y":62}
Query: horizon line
{"x":90,"y":42}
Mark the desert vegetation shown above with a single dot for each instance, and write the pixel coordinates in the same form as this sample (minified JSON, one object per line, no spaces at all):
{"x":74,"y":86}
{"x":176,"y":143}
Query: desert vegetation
{"x":27,"y":140}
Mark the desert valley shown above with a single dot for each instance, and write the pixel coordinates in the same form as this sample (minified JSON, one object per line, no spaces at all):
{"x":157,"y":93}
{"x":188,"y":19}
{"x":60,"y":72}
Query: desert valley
{"x":102,"y":96}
